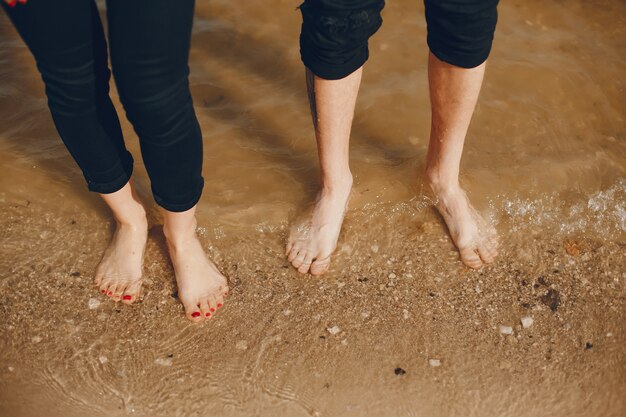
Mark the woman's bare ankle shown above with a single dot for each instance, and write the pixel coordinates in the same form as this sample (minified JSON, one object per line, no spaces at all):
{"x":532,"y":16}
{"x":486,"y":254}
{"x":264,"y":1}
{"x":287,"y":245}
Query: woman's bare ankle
{"x":179,"y":229}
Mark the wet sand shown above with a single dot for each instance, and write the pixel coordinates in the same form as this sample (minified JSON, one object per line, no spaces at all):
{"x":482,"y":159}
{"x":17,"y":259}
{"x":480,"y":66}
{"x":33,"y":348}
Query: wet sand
{"x":545,"y":161}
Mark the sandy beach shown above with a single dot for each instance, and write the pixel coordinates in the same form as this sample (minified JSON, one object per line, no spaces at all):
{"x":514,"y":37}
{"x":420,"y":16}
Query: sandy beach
{"x":398,"y":327}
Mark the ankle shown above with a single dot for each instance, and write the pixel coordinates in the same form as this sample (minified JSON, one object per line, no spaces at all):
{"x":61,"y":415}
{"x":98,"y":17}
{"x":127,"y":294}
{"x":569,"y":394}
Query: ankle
{"x":440,"y":183}
{"x":337,"y":185}
{"x":133,"y":218}
{"x":179,"y":235}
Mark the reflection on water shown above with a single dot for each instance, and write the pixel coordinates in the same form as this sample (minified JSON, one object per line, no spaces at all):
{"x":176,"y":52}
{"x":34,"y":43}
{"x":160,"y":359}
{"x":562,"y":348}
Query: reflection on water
{"x":549,"y":124}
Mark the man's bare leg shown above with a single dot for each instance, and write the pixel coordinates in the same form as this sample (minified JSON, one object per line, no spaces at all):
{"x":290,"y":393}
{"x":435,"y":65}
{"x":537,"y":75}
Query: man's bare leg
{"x":311,"y":243}
{"x":453,"y":94}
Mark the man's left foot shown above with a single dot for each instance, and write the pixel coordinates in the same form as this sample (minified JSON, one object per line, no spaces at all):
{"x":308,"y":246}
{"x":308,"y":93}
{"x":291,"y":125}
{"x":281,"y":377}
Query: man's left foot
{"x":475,"y":238}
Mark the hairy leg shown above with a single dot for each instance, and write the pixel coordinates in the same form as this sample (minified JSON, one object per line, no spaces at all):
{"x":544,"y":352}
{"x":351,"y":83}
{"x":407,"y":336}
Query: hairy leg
{"x":453,"y":93}
{"x":312,"y":241}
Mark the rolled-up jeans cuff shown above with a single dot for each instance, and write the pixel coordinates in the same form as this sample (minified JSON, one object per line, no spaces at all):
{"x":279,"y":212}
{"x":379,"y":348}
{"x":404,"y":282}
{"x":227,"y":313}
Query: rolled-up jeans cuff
{"x":119,"y":176}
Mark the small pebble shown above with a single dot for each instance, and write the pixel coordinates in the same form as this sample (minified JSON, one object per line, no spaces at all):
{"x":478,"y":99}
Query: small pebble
{"x":103,"y":359}
{"x":399,"y":371}
{"x":527,"y":322}
{"x":392,"y":276}
{"x":93,"y":303}
{"x":11,"y":369}
{"x":434,"y":362}
{"x":163,"y":361}
{"x":506,"y":330}
{"x":375,"y":248}
{"x":405,"y":314}
{"x":287,"y":312}
{"x":241,"y":345}
{"x":333,"y":330}
{"x":36,"y":339}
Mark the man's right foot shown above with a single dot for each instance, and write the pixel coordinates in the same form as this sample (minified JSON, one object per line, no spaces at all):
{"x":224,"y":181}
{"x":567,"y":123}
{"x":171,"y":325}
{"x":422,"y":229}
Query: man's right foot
{"x":312,"y":241}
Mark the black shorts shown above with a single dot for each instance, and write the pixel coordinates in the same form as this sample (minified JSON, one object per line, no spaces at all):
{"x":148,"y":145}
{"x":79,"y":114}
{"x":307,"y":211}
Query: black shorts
{"x":335,"y":33}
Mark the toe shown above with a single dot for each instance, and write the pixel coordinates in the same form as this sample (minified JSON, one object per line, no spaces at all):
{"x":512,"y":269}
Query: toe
{"x":219,"y":299}
{"x":192,"y":312}
{"x":213,"y":305}
{"x":118,"y":290}
{"x":320,"y":266}
{"x":109,"y":287}
{"x":492,"y":250}
{"x":485,"y":254}
{"x":205,"y":309}
{"x":131,"y":293}
{"x":288,"y":247}
{"x":295,"y":249}
{"x":470,"y":257}
{"x":297,"y":262}
{"x":306,"y":264}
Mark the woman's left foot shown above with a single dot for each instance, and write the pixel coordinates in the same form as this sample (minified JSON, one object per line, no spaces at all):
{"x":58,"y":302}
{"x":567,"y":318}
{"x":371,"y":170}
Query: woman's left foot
{"x":201,"y":287}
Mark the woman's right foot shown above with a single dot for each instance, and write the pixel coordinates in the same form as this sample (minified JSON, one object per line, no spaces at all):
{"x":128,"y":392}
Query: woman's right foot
{"x":312,"y":241}
{"x":201,"y":286}
{"x":119,"y":274}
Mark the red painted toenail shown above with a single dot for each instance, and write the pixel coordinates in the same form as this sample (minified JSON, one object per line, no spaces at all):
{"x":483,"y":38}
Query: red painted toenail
{"x":110,"y":293}
{"x":219,"y":305}
{"x":103,"y":291}
{"x":212,"y":309}
{"x":208,"y":314}
{"x":128,"y":297}
{"x":195,"y":314}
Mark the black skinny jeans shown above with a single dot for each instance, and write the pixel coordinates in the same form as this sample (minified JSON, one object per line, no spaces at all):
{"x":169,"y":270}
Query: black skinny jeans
{"x":149,"y":44}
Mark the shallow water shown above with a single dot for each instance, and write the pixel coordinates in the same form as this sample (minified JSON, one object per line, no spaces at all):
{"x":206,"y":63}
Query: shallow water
{"x":544,"y":160}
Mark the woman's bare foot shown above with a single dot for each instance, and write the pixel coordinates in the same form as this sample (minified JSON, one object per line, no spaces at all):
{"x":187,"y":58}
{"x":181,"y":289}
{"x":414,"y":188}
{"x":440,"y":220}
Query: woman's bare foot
{"x":201,"y":287}
{"x":311,"y":242}
{"x":119,"y":274}
{"x":475,"y":238}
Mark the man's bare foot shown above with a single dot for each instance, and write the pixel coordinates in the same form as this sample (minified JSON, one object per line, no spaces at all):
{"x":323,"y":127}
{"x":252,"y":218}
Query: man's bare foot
{"x":119,"y":274}
{"x":201,"y":287}
{"x":475,"y":238}
{"x":311,"y":242}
